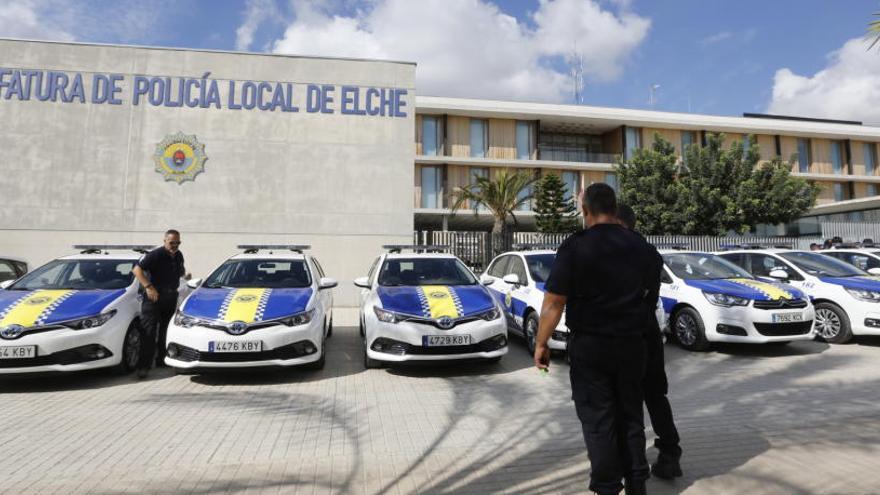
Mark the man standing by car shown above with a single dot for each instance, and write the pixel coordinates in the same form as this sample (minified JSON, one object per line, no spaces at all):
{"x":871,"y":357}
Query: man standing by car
{"x":159,"y":273}
{"x":604,"y":277}
{"x":655,"y":384}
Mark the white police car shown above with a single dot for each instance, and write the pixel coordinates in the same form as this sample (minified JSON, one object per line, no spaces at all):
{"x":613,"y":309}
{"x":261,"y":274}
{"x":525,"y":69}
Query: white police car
{"x":269,"y":306}
{"x":427,"y":306}
{"x":74,"y":313}
{"x":710,"y":299}
{"x":847,"y":299}
{"x":864,"y":257}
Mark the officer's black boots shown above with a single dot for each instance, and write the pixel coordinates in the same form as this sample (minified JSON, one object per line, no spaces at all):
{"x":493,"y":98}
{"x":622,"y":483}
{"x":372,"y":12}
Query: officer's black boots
{"x":666,"y":467}
{"x":632,"y":487}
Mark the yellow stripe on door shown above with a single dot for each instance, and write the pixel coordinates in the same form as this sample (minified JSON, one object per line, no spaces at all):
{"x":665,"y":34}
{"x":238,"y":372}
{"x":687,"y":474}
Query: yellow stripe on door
{"x":26,"y":311}
{"x":770,"y":290}
{"x":243,"y":306}
{"x":440,"y":301}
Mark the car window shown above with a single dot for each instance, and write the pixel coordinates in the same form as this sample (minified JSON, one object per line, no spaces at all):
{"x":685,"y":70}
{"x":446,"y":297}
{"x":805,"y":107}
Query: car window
{"x":518,"y":268}
{"x":702,"y":266}
{"x":20,"y":268}
{"x":858,"y":260}
{"x":88,"y":274}
{"x":7,"y":271}
{"x":540,"y":266}
{"x":763,"y":264}
{"x":425,"y":271}
{"x":820,"y":265}
{"x":665,"y":278}
{"x":318,"y":267}
{"x":499,"y":266}
{"x":372,"y":272}
{"x":261,"y":273}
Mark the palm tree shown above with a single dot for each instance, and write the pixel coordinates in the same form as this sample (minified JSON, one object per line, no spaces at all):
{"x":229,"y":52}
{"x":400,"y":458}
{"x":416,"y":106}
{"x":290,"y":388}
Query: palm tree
{"x":501,"y":196}
{"x":874,"y":30}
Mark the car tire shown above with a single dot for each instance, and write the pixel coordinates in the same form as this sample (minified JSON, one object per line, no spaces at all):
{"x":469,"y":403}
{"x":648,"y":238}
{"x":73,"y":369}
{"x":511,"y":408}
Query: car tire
{"x":530,"y":331}
{"x":131,"y":349}
{"x":370,"y":363}
{"x":361,"y":327}
{"x":330,"y":328}
{"x":832,"y":324}
{"x":690,"y":330}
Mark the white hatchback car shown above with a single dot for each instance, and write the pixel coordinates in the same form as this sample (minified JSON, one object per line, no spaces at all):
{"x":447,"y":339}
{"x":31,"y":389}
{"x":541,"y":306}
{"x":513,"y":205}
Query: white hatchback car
{"x":427,"y":306}
{"x":269,"y":306}
{"x":847,"y":299}
{"x":710,"y":299}
{"x":865,"y":258}
{"x":74,"y":313}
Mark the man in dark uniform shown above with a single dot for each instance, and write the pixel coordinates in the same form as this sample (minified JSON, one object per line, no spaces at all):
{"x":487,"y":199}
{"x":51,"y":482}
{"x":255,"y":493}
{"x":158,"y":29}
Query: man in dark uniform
{"x":655,"y":384}
{"x":159,"y":273}
{"x":603,"y":277}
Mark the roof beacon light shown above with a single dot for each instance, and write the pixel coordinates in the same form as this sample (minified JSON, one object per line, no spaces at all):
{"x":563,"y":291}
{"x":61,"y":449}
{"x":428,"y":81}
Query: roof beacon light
{"x":254,"y":248}
{"x":678,"y":246}
{"x":534,"y":246}
{"x":416,"y":248}
{"x":105,"y":248}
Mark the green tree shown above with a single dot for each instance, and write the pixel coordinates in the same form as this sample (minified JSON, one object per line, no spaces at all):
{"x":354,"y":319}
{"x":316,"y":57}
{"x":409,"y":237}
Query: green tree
{"x":501,"y":196}
{"x":554,"y":211}
{"x":713,"y":190}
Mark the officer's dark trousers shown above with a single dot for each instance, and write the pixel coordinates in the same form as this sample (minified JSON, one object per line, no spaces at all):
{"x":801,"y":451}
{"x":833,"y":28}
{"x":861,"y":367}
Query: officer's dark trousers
{"x":155,"y":317}
{"x":656,"y":387}
{"x":606,"y":384}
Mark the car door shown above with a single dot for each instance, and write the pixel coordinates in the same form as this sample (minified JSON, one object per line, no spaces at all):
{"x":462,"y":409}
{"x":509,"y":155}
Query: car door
{"x":518,"y":293}
{"x":762,"y":264}
{"x":364,"y":294}
{"x":325,"y":297}
{"x":497,"y":270}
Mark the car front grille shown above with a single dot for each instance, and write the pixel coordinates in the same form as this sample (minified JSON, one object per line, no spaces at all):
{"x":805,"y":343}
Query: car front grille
{"x":290,"y":351}
{"x":391,"y":346}
{"x":782,"y":329}
{"x":781,"y":304}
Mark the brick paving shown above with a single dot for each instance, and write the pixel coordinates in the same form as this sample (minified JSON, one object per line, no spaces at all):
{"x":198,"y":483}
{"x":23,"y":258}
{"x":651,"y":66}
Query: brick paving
{"x":796,"y":419}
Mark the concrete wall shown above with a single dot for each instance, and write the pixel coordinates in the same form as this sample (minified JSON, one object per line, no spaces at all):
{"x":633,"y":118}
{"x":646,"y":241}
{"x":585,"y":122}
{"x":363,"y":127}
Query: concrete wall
{"x":82,"y":172}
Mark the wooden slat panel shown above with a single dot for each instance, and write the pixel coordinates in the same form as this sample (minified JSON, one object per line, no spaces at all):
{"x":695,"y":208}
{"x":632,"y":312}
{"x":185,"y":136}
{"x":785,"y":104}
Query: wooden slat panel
{"x":821,"y":149}
{"x":858,"y":160}
{"x":826,"y":195}
{"x":612,"y":141}
{"x":418,"y":188}
{"x":861,"y":189}
{"x":456,"y":177}
{"x":459,"y":139}
{"x":788,"y":144}
{"x":419,"y":149}
{"x":671,"y":135}
{"x":502,"y":138}
{"x":730,"y":138}
{"x":767,"y":144}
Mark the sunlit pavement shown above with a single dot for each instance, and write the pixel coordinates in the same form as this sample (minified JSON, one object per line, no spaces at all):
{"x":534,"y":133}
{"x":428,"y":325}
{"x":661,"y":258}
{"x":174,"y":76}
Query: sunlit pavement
{"x":803,"y":418}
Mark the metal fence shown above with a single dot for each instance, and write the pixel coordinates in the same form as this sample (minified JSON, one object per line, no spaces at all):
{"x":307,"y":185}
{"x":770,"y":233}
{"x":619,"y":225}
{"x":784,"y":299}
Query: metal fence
{"x":851,"y":231}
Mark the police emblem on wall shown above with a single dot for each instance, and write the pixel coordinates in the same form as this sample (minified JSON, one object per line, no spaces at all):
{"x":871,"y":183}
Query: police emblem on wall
{"x":180,"y":157}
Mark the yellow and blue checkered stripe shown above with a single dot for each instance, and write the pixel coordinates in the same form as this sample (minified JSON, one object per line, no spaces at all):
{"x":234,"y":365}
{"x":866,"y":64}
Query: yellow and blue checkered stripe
{"x":771,"y":291}
{"x":247,"y":305}
{"x":34,"y":309}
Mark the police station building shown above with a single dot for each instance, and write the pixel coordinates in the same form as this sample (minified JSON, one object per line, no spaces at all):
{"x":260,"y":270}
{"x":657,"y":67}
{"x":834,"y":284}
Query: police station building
{"x":116,"y":144}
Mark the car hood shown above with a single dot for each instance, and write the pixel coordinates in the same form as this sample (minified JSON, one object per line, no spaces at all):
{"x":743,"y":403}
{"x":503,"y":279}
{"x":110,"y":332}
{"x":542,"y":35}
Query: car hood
{"x":246,"y":304}
{"x":45,"y":307}
{"x":862,"y":283}
{"x":436,"y":301}
{"x":748,"y":288}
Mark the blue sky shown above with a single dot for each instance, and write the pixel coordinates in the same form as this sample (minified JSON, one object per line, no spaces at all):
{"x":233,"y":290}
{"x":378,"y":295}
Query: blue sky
{"x":708,"y":56}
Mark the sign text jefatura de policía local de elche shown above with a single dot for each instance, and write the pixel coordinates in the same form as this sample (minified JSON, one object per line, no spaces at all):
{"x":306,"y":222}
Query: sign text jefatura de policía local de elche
{"x":203,"y":92}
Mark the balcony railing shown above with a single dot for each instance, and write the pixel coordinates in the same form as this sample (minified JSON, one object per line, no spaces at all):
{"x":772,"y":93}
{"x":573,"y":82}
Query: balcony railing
{"x":564,"y":154}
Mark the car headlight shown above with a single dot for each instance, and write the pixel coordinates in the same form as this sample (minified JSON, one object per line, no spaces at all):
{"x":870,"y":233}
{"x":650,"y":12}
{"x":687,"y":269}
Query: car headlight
{"x":492,"y":314}
{"x":298,"y":319}
{"x":90,"y":322}
{"x":186,"y":321}
{"x":864,"y":295}
{"x":385,"y":316}
{"x":725,"y":300}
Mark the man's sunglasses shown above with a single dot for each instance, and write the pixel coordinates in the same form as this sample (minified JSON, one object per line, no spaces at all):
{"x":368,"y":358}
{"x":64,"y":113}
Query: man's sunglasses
{"x":174,"y":243}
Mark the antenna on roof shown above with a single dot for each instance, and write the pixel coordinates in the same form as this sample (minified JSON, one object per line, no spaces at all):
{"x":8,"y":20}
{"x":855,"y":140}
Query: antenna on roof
{"x":254,"y":248}
{"x":104,"y":248}
{"x":577,"y":74}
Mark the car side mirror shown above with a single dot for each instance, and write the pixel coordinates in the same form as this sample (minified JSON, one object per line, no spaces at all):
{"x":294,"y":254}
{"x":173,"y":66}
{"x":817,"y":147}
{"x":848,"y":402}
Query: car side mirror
{"x":362,"y":282}
{"x":327,"y":283}
{"x":511,"y":278}
{"x":779,"y":274}
{"x":6,"y":283}
{"x":194,"y":283}
{"x":486,"y":280}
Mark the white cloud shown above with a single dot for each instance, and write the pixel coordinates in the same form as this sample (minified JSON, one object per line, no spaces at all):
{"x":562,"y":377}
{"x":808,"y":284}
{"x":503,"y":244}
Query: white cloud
{"x":256,"y":12}
{"x":715,"y":38}
{"x":472,"y":48}
{"x":27,"y":19}
{"x":847,"y":88}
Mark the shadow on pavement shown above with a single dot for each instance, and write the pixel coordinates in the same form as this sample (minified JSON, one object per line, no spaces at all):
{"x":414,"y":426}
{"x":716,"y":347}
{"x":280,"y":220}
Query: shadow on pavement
{"x":76,"y":380}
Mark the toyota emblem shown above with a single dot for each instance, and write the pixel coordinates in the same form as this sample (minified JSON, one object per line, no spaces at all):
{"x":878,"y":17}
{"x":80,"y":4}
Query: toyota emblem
{"x":12,"y":331}
{"x":237,"y":327}
{"x":445,"y":323}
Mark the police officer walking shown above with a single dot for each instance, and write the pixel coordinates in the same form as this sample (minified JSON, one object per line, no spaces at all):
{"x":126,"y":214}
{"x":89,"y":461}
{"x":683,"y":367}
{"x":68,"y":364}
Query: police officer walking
{"x":655,"y":384}
{"x":603,"y":277}
{"x":159,"y":273}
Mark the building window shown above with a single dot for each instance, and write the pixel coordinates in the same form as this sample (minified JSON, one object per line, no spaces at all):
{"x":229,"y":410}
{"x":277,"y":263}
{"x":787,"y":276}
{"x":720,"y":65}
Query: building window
{"x":431,"y":138}
{"x":633,"y":139}
{"x":688,"y":138}
{"x":870,"y":157}
{"x":871,"y":190}
{"x":524,"y":140}
{"x":747,"y":143}
{"x":432,"y":187}
{"x":474,"y":173}
{"x":479,"y":138}
{"x":572,"y":148}
{"x":611,"y":180}
{"x":803,"y":152}
{"x":838,"y":191}
{"x":856,"y":216}
{"x":836,"y":158}
{"x":527,"y":191}
{"x":570,"y":179}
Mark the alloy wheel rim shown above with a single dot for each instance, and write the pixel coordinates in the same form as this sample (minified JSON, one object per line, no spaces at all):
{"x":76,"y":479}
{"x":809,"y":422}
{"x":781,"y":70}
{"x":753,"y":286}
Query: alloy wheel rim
{"x":530,"y":333}
{"x":686,"y":329}
{"x":827,"y":323}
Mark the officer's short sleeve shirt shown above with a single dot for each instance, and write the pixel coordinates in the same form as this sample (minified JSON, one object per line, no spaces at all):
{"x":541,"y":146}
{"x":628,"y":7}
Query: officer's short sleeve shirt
{"x":164,"y":268}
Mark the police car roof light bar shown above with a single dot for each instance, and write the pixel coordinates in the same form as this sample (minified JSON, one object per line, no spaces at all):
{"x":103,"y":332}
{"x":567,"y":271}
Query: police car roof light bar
{"x":253,"y":248}
{"x":416,"y":248}
{"x":847,"y":245}
{"x":103,"y":248}
{"x":533,"y":246}
{"x":678,"y":246}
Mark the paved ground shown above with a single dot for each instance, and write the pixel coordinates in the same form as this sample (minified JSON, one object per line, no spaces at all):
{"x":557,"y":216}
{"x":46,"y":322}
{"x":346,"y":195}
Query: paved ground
{"x":797,"y":419}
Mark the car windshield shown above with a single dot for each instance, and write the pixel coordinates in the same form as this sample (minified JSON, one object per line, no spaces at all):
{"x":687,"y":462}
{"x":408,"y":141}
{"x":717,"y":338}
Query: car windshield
{"x":261,"y":273}
{"x":85,"y":274}
{"x":540,"y":265}
{"x":820,"y":265}
{"x":702,"y":266}
{"x":425,"y":271}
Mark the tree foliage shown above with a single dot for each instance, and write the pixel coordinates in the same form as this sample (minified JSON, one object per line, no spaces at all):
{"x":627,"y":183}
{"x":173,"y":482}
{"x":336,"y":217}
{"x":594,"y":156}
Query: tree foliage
{"x":554,"y":207}
{"x":713,"y":190}
{"x":501,"y":196}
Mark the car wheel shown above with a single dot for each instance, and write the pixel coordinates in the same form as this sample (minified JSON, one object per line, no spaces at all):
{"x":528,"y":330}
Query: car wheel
{"x":530,"y":331}
{"x":131,"y":349}
{"x":832,"y":324}
{"x":369,"y":362}
{"x":689,"y":330}
{"x":361,"y":328}
{"x":330,"y":328}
